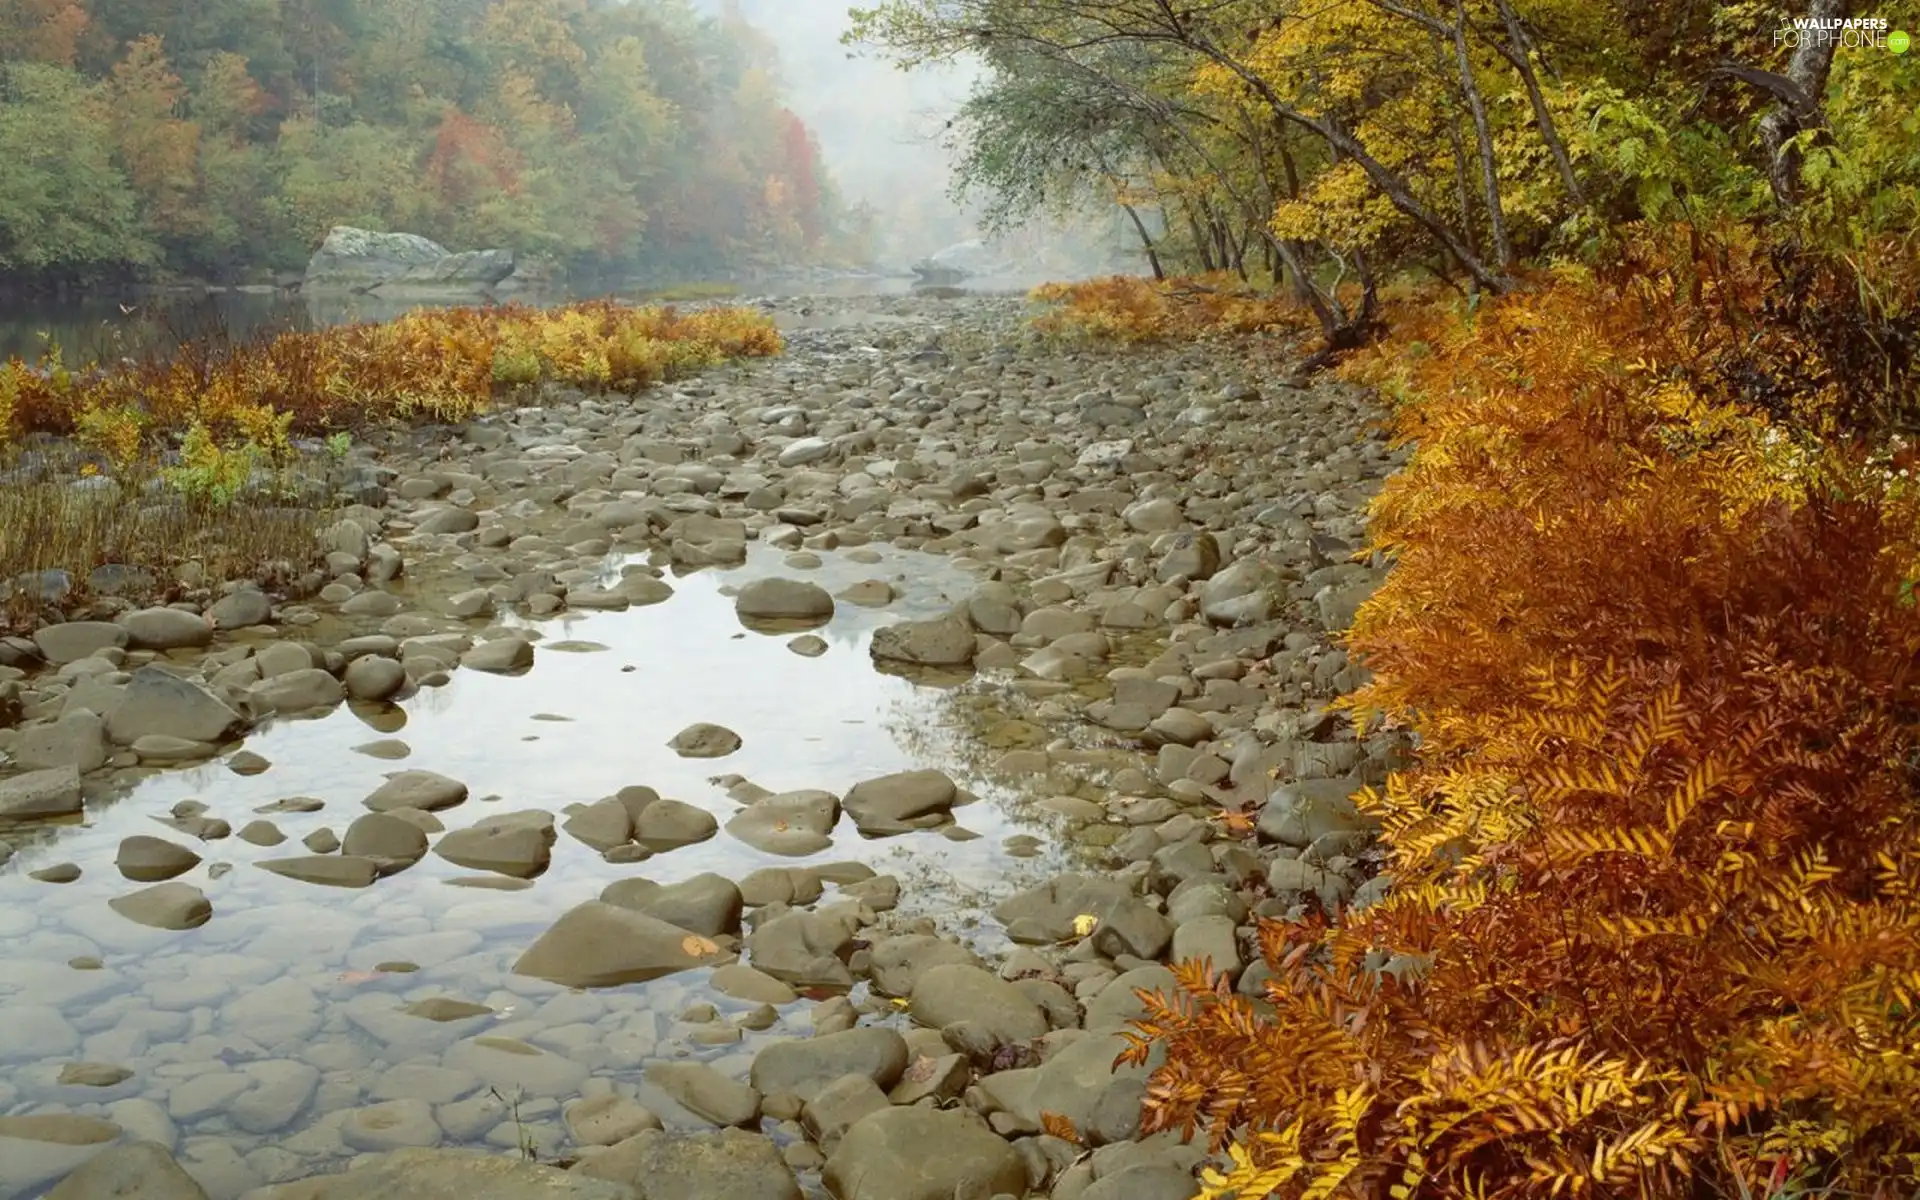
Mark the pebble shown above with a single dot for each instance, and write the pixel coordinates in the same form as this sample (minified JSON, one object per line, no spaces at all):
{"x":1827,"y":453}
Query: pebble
{"x":1171,"y":588}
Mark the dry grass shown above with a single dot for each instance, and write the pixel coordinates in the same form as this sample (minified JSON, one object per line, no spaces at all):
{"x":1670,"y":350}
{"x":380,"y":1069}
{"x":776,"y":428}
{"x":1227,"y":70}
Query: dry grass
{"x":155,"y":463}
{"x":58,"y":525}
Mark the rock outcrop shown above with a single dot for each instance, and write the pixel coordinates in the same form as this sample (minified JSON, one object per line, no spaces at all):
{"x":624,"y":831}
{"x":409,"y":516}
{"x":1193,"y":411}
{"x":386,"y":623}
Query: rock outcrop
{"x":402,"y":264}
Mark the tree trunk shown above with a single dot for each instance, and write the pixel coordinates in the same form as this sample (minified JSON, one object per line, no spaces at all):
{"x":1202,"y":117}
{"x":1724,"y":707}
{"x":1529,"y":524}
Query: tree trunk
{"x":1153,"y":255}
{"x":1200,"y":243}
{"x":1304,"y":288}
{"x":1462,"y":181}
{"x":1483,"y":134}
{"x":1291,"y":254}
{"x":1522,"y":59}
{"x":1392,"y":185}
{"x":1792,"y":115}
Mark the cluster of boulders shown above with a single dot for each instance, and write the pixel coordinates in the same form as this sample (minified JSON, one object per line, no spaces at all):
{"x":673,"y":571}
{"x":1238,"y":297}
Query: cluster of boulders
{"x":1165,"y":553}
{"x":405,"y":264}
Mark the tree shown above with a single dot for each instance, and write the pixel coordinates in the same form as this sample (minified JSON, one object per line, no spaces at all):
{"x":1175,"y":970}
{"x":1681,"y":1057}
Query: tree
{"x":157,"y":148}
{"x":243,"y":129}
{"x":44,"y":31}
{"x":227,"y":101}
{"x":66,"y":209}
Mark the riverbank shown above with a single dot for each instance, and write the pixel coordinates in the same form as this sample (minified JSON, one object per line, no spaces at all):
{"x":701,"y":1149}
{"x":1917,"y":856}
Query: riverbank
{"x":949,"y":792}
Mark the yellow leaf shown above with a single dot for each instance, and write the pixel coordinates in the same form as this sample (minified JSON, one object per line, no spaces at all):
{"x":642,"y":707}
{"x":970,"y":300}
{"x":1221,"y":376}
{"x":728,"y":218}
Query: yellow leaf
{"x":1084,"y":923}
{"x":698,"y":946}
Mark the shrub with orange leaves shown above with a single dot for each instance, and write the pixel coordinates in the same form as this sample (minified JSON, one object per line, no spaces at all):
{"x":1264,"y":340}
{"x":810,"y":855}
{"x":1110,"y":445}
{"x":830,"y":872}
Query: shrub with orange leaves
{"x":1128,"y":308}
{"x":438,"y":363}
{"x":1655,"y":922}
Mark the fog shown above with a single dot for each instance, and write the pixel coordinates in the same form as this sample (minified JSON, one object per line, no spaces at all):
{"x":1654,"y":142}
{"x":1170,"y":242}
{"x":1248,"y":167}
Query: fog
{"x":880,"y":129}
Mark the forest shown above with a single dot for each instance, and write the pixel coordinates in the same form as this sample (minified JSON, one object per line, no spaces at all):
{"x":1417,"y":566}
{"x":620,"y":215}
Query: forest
{"x":1638,"y":283}
{"x":221,"y":139}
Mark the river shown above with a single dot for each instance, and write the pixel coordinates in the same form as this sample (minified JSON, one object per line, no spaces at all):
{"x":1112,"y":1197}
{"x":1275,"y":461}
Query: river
{"x":114,"y":324}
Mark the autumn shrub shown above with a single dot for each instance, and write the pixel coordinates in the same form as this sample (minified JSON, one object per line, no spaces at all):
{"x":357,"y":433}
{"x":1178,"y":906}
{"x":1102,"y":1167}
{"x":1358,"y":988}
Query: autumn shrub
{"x":10,"y":379}
{"x":1127,"y":308}
{"x":1654,"y":927}
{"x":216,"y":428}
{"x":441,"y":364}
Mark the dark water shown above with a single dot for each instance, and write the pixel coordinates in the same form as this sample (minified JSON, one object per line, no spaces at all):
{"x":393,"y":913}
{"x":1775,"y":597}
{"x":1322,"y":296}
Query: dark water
{"x":111,"y":326}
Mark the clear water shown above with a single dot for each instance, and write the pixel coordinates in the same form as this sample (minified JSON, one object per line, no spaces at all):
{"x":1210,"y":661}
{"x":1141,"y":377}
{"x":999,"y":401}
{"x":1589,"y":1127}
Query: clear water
{"x":106,"y":327}
{"x":283,"y":974}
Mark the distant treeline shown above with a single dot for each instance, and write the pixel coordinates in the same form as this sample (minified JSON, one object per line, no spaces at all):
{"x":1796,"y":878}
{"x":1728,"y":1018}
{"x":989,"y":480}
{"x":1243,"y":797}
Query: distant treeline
{"x":223,"y":138}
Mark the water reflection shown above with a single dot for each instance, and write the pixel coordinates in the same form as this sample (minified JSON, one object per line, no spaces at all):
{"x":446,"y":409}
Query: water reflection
{"x":108,"y":326}
{"x":256,"y":1041}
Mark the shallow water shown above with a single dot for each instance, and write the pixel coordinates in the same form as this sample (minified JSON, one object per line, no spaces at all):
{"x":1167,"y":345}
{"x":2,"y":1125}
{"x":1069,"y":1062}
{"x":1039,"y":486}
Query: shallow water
{"x":107,"y":326}
{"x":225,"y":1026}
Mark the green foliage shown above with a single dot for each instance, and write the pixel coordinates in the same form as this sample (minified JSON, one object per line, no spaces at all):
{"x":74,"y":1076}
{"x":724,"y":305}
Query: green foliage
{"x":516,"y":366}
{"x":208,"y":472}
{"x":227,"y":136}
{"x":64,"y":204}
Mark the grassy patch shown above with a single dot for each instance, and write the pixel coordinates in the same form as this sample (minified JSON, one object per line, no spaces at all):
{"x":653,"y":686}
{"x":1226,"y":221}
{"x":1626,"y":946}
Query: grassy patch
{"x":69,"y":533}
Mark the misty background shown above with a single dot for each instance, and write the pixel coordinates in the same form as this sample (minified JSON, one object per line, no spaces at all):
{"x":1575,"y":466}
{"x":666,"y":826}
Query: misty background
{"x":880,"y":130}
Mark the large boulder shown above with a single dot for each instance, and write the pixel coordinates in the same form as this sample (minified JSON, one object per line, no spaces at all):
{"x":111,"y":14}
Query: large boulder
{"x":779,"y":600}
{"x":804,"y":1066}
{"x":940,"y":642}
{"x":729,"y":1165}
{"x":54,"y":792}
{"x":359,"y":260}
{"x":891,"y":1155}
{"x":130,"y":1171}
{"x":962,"y":260}
{"x":157,"y":701}
{"x":601,"y":945}
{"x":893,"y":803}
{"x":417,"y":1174}
{"x":38,"y":1148}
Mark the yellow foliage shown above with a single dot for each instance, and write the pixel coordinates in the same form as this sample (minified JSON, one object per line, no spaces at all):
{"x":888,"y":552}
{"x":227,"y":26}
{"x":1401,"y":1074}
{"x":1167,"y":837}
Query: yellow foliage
{"x":438,"y":363}
{"x":10,"y":373}
{"x":1127,"y":308}
{"x":1339,"y":207}
{"x":115,"y":432}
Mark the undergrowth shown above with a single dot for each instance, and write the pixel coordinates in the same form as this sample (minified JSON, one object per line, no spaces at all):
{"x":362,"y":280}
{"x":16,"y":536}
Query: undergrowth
{"x":1131,"y":309}
{"x":439,"y":364}
{"x":1657,"y":867}
{"x":198,"y":455}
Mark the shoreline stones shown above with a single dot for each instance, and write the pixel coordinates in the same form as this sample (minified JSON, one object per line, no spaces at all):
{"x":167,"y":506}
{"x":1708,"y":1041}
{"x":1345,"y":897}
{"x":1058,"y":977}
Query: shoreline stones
{"x":602,"y":945}
{"x":165,"y":906}
{"x":705,"y":740}
{"x":783,"y":603}
{"x":1146,"y":624}
{"x":150,"y":859}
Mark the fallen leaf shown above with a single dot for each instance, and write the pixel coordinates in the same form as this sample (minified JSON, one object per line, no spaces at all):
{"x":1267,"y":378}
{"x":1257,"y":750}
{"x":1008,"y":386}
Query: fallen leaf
{"x":1236,"y":821}
{"x":1055,"y":1125}
{"x":698,"y":946}
{"x":1084,"y":923}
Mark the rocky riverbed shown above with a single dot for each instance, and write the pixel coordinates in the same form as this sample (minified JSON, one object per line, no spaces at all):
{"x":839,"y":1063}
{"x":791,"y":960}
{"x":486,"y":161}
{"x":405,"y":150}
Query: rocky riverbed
{"x":773,"y":785}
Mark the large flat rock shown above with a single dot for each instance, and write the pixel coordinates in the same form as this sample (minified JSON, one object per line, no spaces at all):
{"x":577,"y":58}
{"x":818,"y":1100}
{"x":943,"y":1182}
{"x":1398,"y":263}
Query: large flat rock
{"x":439,"y":1174}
